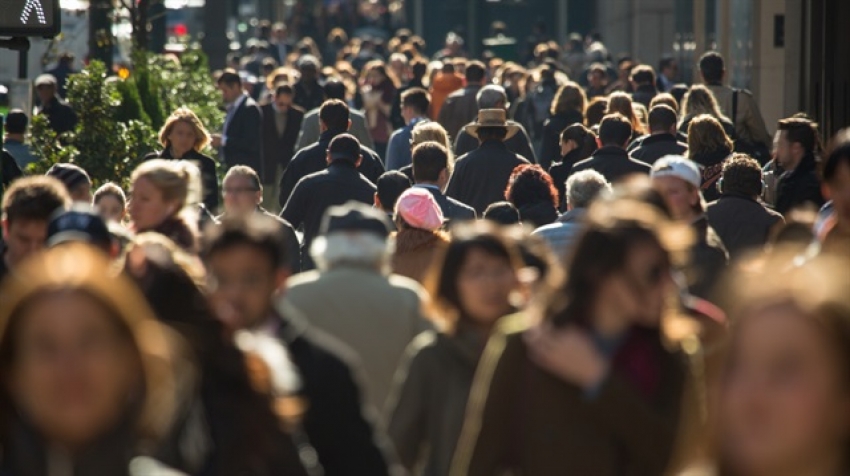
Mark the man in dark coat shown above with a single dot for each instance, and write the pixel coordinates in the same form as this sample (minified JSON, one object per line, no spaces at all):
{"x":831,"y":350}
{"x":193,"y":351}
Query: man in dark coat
{"x":481,"y":176}
{"x":495,"y":97}
{"x":797,"y":142}
{"x":643,"y":81}
{"x":612,"y":160}
{"x":741,"y":220}
{"x":461,"y":106}
{"x":662,"y":139}
{"x":311,"y":126}
{"x":308,"y":92}
{"x":334,"y":119}
{"x":339,"y":183}
{"x":61,"y":116}
{"x":241,"y":139}
{"x":249,"y":249}
{"x":431,"y":172}
{"x":281,"y":123}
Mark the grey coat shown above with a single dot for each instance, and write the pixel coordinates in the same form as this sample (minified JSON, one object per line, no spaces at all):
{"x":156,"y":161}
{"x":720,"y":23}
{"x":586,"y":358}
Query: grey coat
{"x":310,"y":132}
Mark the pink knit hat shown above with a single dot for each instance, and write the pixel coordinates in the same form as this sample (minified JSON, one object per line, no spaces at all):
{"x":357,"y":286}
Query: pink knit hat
{"x":417,"y":208}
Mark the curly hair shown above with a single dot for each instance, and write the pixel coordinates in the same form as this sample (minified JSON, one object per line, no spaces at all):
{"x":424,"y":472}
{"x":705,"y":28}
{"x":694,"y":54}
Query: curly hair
{"x":531,"y":184}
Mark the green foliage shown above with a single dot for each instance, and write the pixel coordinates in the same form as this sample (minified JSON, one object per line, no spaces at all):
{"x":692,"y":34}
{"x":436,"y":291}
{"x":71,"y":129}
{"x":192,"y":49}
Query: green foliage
{"x":131,"y":104}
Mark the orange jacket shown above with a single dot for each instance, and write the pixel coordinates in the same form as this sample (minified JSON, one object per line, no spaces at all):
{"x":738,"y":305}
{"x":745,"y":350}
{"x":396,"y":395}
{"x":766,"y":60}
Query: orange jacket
{"x":443,"y":85}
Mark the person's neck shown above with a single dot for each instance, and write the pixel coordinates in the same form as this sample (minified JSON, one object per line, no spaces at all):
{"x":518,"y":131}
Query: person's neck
{"x":178,"y":154}
{"x":14,"y":137}
{"x":795,"y":163}
{"x":609,"y":321}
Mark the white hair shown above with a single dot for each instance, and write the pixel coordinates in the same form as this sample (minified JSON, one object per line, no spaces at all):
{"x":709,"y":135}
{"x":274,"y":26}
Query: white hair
{"x":583,"y":187}
{"x":353,"y":249}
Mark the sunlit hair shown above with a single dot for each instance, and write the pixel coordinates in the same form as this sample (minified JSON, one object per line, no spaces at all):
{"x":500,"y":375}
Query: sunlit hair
{"x":381,"y":68}
{"x":700,"y":100}
{"x":595,"y":111}
{"x":570,"y":97}
{"x":110,"y":189}
{"x":352,"y":249}
{"x":443,"y":276}
{"x":178,"y":180}
{"x":187,"y":116}
{"x":665,"y":98}
{"x":530,"y":184}
{"x":706,"y":134}
{"x":80,"y":268}
{"x":432,"y":131}
{"x":621,"y":103}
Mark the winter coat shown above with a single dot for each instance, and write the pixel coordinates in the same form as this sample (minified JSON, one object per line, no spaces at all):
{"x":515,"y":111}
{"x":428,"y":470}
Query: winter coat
{"x":278,"y":149}
{"x":655,"y":146}
{"x":550,"y":149}
{"x":310,"y":131}
{"x":244,"y":145}
{"x":711,"y":166}
{"x":742,"y":223}
{"x":614,"y":163}
{"x":560,"y":172}
{"x":519,"y":144}
{"x":441,"y":88}
{"x":459,"y":109}
{"x":748,"y":122}
{"x":708,"y":260}
{"x":481,"y":176}
{"x":376,"y":315}
{"x":415,"y":251}
{"x":521,"y":419}
{"x":563,"y":234}
{"x":426,"y":409}
{"x":538,"y":214}
{"x":798,"y":187}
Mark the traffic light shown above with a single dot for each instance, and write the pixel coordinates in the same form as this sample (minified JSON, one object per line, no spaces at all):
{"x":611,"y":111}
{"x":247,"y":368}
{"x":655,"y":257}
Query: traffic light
{"x":28,"y":18}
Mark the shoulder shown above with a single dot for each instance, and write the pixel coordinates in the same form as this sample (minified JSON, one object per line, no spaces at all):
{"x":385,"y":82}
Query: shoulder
{"x":296,"y":283}
{"x":406,"y":287}
{"x":152,"y":155}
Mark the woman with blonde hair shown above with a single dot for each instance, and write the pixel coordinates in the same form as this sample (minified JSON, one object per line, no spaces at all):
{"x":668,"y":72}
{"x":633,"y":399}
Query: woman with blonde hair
{"x":700,"y":100}
{"x":708,"y":146}
{"x":621,"y":103}
{"x":165,"y":195}
{"x":567,"y":109}
{"x":430,"y":131}
{"x":183,"y":137}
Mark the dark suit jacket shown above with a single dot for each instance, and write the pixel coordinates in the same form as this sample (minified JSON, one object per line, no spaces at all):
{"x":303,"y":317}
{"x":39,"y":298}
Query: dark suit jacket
{"x":481,"y":176}
{"x":653,"y":147}
{"x":520,"y":143}
{"x":452,"y":209}
{"x":279,"y":149}
{"x":612,"y":162}
{"x":460,"y":109}
{"x":244,"y":137}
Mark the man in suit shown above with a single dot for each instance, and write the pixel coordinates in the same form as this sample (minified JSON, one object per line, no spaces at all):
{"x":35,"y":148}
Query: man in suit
{"x":612,"y":160}
{"x":241,"y":139}
{"x":310,"y":129}
{"x":431,"y":172}
{"x":281,"y":123}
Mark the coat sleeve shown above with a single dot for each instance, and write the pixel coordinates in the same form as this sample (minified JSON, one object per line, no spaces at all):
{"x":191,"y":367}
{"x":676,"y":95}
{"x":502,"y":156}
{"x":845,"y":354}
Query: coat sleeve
{"x":293,"y":248}
{"x":549,"y":150}
{"x":294,"y":210}
{"x":249,"y":142}
{"x":393,"y":151}
{"x":289,"y":180}
{"x":406,"y":410}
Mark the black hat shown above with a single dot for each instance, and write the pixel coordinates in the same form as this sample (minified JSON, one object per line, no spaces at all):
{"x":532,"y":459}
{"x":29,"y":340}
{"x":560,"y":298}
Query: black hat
{"x":355,"y":216}
{"x":16,"y":121}
{"x":344,"y":146}
{"x":79,"y":224}
{"x":69,"y":174}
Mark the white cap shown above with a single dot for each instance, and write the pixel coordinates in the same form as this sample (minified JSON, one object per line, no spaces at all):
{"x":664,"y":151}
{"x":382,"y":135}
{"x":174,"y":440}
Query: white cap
{"x":679,"y":167}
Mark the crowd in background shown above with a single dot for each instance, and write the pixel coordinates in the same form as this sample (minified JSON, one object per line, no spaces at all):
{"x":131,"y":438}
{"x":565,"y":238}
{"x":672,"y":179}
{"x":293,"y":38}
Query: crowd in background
{"x":434,"y":265}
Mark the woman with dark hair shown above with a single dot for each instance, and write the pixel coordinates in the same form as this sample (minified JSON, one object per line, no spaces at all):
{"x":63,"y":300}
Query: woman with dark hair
{"x":567,"y":109}
{"x":90,"y":380}
{"x":532,"y":191}
{"x":593,"y":387}
{"x":471,"y":284}
{"x":708,"y":146}
{"x":577,"y":143}
{"x":782,"y":397}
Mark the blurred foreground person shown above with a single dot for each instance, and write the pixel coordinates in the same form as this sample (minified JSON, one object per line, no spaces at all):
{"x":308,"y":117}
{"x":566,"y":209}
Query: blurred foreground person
{"x":27,"y":207}
{"x":783,"y":396}
{"x":797,"y":147}
{"x":110,"y":201}
{"x":835,"y":233}
{"x":75,"y":179}
{"x":586,"y":384}
{"x":91,"y":380}
{"x":419,"y":239}
{"x":247,"y":270}
{"x":164,"y":192}
{"x":471,"y":284}
{"x":352,"y":298}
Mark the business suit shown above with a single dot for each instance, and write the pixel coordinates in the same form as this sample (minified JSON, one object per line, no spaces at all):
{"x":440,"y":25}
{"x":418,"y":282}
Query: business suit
{"x":243,"y":135}
{"x":278,"y":149}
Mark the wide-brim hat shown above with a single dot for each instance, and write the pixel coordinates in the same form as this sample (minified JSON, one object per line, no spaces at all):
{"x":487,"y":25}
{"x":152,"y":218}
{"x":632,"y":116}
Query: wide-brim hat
{"x":492,"y":118}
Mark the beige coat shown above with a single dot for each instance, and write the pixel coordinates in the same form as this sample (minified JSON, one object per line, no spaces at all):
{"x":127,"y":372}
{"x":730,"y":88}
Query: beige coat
{"x":749,"y":123}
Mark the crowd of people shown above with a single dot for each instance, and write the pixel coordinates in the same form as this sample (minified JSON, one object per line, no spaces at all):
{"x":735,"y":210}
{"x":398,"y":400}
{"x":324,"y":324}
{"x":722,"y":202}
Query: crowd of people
{"x":434,"y":266}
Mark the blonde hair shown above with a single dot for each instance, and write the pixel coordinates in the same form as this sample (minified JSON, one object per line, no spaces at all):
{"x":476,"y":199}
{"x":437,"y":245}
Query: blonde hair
{"x":570,"y":97}
{"x":432,"y":132}
{"x":185,"y":115}
{"x":700,"y":100}
{"x":178,"y":180}
{"x":622,"y":103}
{"x":706,"y":134}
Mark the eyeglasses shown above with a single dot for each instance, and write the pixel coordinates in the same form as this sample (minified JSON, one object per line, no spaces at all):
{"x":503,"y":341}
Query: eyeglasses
{"x":237,"y":190}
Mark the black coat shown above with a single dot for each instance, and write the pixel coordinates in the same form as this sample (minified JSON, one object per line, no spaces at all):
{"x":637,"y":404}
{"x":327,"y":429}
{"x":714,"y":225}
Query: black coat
{"x":708,"y":260}
{"x":313,"y":158}
{"x":9,"y":170}
{"x":538,"y":214}
{"x":244,"y":137}
{"x":209,"y":174}
{"x":453,"y":210}
{"x":61,"y":116}
{"x":308,"y":95}
{"x":743,"y":223}
{"x":612,"y":162}
{"x":279,"y":149}
{"x":798,"y":187}
{"x":560,"y":172}
{"x":481,"y":176}
{"x":335,"y":421}
{"x":314,"y":194}
{"x":550,"y":149}
{"x":653,"y":147}
{"x":520,"y":143}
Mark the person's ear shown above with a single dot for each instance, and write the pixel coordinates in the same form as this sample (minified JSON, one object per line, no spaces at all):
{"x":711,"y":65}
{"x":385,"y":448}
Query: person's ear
{"x":329,"y":159}
{"x":5,"y":223}
{"x":349,"y":125}
{"x":377,"y":202}
{"x":824,"y":190}
{"x":444,"y":176}
{"x":358,"y":161}
{"x":281,"y":276}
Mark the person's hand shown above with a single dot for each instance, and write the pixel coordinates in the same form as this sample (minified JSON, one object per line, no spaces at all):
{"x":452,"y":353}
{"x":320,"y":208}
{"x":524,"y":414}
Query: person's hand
{"x":215,"y":140}
{"x":568,"y":353}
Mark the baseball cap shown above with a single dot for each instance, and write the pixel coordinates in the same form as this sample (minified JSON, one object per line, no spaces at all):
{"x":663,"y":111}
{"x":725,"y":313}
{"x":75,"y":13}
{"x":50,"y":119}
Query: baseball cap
{"x":45,"y":80}
{"x":78,"y":224}
{"x":679,"y":167}
{"x":344,"y":146}
{"x":354,"y":217}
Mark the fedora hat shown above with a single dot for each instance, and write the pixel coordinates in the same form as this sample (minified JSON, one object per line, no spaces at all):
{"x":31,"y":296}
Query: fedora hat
{"x":492,"y":118}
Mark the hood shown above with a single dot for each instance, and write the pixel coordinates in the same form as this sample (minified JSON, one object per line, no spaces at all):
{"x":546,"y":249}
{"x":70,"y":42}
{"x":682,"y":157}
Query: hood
{"x":413,"y":239}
